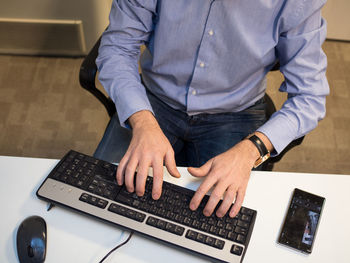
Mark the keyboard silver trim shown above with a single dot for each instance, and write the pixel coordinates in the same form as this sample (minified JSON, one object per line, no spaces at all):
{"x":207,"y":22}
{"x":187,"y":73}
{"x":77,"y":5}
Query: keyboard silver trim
{"x":68,"y":195}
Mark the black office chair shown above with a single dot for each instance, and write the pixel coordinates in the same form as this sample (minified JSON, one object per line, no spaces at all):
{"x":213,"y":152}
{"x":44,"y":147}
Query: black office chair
{"x":87,"y":78}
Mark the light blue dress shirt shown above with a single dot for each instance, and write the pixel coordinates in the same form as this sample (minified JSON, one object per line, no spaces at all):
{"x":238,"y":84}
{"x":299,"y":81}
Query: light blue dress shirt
{"x":212,"y":56}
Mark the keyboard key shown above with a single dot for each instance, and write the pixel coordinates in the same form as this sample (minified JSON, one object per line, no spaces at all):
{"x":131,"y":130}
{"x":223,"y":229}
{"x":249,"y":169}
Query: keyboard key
{"x":247,"y":211}
{"x":170,"y":227}
{"x":152,"y":221}
{"x":219,"y":244}
{"x":84,"y":197}
{"x":241,"y":230}
{"x":231,"y":236}
{"x":223,"y":233}
{"x":237,"y":250}
{"x":201,"y":237}
{"x":191,"y":234}
{"x":204,"y":227}
{"x":246,"y":218}
{"x":210,"y":241}
{"x":242,"y":224}
{"x":93,"y":200}
{"x":161,"y":224}
{"x":102,"y":203}
{"x":179,"y":230}
{"x":240,"y":239}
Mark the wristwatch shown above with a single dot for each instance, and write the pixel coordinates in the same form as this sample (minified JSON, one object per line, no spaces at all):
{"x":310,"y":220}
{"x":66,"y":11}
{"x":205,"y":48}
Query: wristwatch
{"x":264,"y":152}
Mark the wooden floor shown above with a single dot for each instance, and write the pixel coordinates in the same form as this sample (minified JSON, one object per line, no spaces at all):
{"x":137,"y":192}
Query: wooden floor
{"x":44,"y":112}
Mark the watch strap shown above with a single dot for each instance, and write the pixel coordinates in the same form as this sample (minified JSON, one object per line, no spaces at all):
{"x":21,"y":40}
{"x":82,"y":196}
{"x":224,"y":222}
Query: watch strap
{"x":263,"y":151}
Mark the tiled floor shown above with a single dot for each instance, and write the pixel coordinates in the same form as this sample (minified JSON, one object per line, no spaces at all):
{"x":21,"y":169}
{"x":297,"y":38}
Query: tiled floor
{"x":44,"y":112}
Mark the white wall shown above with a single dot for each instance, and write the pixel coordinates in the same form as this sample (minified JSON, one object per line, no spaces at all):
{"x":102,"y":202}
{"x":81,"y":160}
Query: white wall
{"x":93,"y":13}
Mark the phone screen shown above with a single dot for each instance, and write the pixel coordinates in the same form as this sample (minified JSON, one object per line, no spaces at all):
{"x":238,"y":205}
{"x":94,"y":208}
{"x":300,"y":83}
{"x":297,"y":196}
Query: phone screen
{"x":301,"y":222}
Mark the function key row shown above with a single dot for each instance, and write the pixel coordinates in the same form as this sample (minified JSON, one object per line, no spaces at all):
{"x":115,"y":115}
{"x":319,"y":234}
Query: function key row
{"x":115,"y":208}
{"x":127,"y":212}
{"x":205,"y":239}
{"x":93,"y":200}
{"x":164,"y":225}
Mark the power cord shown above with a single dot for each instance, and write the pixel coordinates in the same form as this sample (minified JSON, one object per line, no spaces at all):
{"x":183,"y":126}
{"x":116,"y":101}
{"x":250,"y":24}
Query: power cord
{"x":118,"y":246}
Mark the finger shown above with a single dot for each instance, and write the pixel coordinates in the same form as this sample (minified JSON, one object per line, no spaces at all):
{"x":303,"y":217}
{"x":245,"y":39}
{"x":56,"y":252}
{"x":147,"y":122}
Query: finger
{"x":171,"y":164}
{"x":157,"y":179}
{"x":201,"y":171}
{"x":214,"y":199}
{"x":227,"y":202}
{"x":238,"y":203}
{"x":121,"y":169}
{"x":130,"y":174}
{"x":141,"y":177}
{"x":201,"y":191}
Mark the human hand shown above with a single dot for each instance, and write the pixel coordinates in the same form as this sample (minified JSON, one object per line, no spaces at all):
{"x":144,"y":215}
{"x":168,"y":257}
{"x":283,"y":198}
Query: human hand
{"x":228,"y":173}
{"x":149,"y":147}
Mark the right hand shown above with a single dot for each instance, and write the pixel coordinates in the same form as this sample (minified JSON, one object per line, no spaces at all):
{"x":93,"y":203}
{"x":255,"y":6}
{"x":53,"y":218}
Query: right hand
{"x":149,"y":147}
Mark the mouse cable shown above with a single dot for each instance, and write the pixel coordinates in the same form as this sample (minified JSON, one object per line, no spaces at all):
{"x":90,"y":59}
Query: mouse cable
{"x":118,"y":246}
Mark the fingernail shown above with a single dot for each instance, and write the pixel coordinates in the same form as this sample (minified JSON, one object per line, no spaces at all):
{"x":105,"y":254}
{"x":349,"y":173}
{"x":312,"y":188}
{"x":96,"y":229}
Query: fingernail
{"x":155,"y":196}
{"x":192,"y":207}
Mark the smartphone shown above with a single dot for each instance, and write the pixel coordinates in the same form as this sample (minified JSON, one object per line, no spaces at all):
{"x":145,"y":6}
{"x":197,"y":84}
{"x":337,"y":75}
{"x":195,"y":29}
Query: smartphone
{"x":301,"y":222}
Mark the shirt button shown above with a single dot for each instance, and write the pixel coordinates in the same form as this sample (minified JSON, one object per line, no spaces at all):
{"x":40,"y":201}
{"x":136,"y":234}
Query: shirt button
{"x":201,"y":65}
{"x":194,"y":92}
{"x":211,"y":32}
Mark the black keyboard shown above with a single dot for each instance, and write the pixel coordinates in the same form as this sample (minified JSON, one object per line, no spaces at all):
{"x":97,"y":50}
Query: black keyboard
{"x":88,"y":185}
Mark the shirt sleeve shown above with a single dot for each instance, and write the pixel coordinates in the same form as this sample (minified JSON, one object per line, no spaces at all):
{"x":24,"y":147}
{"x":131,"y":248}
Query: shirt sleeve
{"x":303,"y":64}
{"x":131,"y":24}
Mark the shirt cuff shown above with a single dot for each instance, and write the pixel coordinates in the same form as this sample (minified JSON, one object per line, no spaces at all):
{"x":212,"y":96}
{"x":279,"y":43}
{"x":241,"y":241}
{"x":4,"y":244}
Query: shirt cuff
{"x":129,"y":102}
{"x":280,"y":131}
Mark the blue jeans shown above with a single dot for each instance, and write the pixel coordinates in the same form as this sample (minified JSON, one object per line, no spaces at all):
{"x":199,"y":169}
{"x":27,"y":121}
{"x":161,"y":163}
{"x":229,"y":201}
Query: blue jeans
{"x":195,"y":139}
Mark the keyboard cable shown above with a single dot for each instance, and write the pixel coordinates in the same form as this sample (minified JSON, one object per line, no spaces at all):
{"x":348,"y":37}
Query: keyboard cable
{"x":118,"y":246}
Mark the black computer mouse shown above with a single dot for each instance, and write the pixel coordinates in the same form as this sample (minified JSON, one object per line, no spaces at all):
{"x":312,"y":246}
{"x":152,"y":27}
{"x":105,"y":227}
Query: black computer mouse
{"x":31,"y":240}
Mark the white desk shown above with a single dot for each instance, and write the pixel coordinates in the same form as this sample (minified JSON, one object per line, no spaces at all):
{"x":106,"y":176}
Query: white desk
{"x":73,"y":237}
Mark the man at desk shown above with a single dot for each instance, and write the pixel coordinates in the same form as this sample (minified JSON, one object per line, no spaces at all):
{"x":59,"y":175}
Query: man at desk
{"x":204,"y":73}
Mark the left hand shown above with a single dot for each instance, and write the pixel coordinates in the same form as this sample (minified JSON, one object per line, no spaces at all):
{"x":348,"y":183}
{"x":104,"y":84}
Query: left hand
{"x":228,"y":173}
